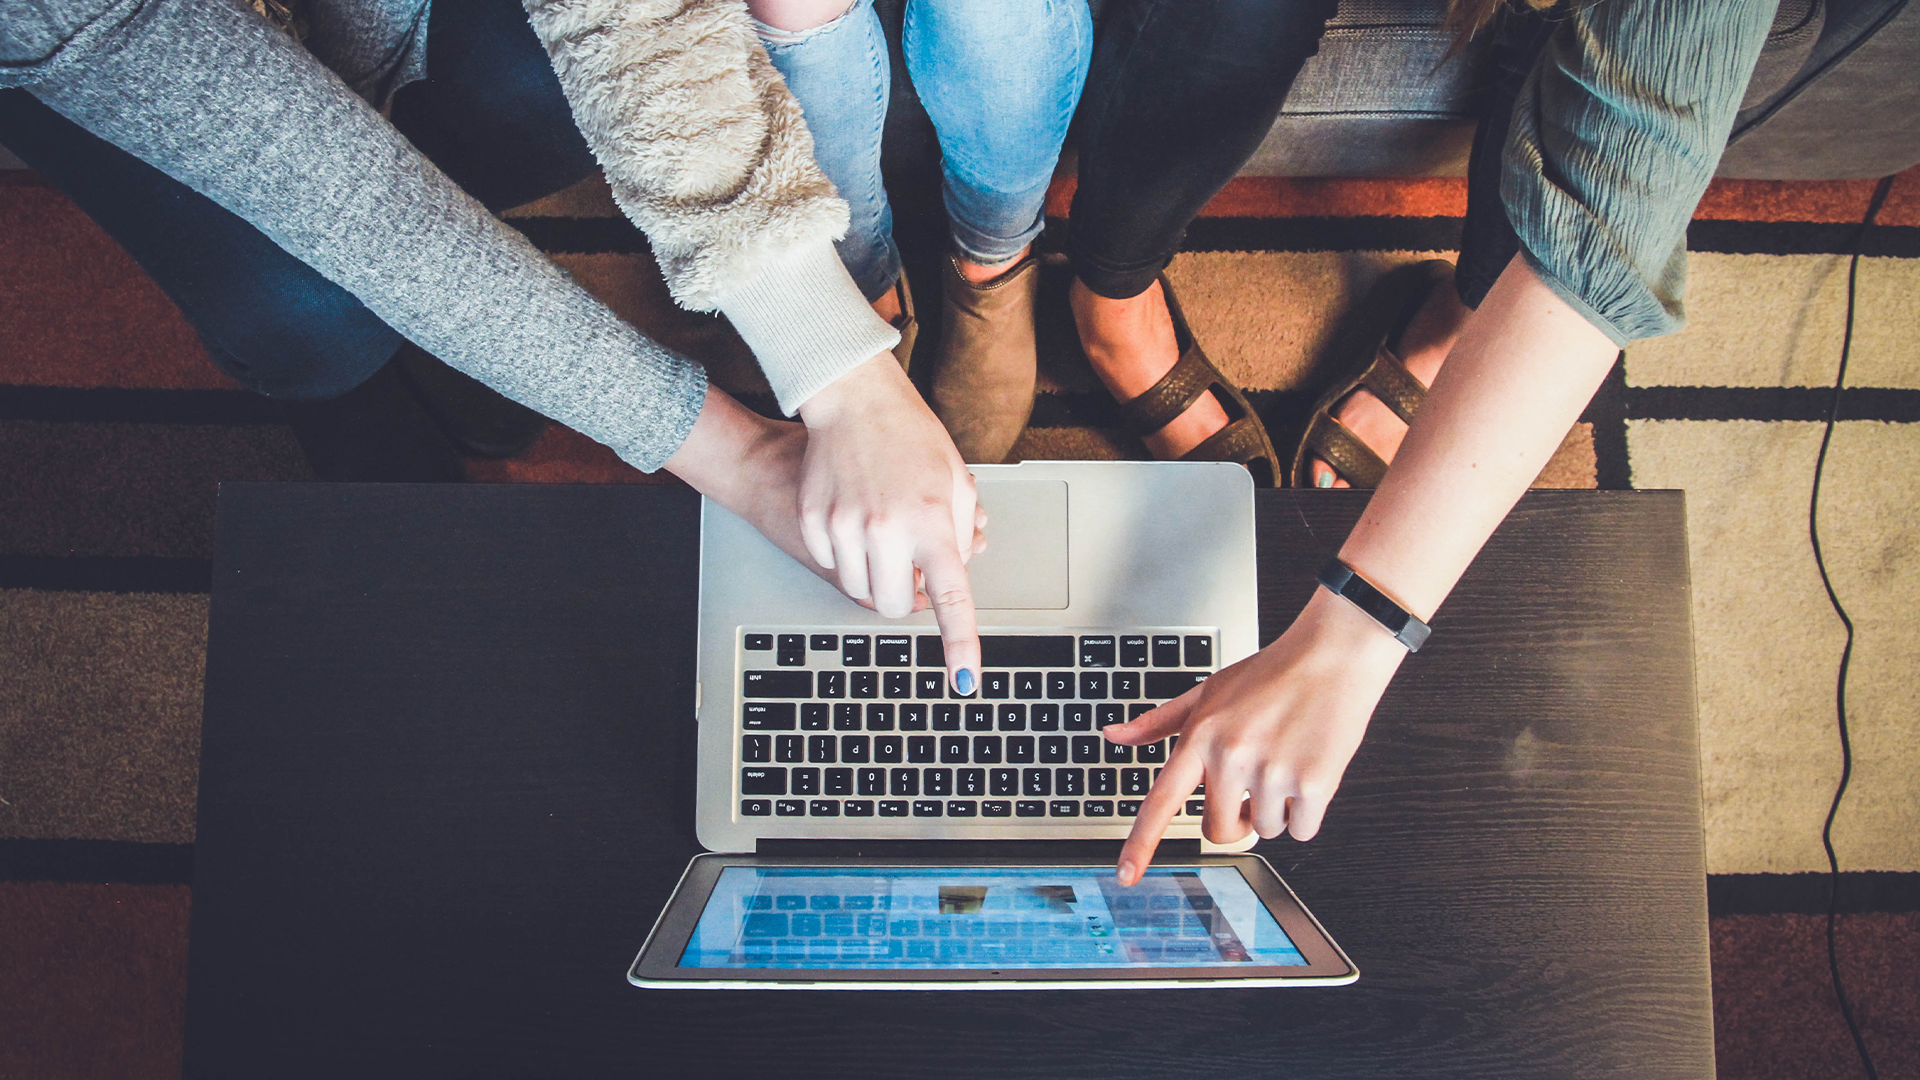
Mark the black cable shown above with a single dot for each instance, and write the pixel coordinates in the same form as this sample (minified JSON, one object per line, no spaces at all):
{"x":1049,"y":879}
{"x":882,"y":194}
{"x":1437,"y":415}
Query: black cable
{"x":1846,"y":655}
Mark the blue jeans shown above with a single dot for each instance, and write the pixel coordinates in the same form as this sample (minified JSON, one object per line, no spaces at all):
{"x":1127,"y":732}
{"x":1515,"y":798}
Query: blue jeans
{"x":1000,"y":82}
{"x":491,"y":115}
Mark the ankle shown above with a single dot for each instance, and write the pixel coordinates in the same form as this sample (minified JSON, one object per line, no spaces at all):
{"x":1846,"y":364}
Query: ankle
{"x":1130,"y":341}
{"x":1430,"y":334}
{"x":887,"y":305}
{"x":977,"y":274}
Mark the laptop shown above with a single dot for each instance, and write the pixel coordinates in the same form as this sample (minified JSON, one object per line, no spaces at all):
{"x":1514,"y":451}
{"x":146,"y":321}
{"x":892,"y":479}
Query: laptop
{"x":870,"y":827}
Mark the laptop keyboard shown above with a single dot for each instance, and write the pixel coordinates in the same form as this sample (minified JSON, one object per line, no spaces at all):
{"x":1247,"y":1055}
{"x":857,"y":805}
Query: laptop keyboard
{"x":865,"y":725}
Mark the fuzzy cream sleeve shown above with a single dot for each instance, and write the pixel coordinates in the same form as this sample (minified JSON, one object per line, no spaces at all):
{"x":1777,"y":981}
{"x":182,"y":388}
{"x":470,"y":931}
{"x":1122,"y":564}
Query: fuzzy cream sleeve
{"x":706,"y":152}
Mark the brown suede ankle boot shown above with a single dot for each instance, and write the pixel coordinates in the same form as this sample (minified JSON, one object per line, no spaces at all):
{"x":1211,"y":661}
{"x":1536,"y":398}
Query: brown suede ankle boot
{"x":983,"y":373}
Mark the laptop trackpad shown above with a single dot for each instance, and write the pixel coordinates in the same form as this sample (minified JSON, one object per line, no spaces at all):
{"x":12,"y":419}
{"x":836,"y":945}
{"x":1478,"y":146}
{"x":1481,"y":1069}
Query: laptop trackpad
{"x":1025,"y":564}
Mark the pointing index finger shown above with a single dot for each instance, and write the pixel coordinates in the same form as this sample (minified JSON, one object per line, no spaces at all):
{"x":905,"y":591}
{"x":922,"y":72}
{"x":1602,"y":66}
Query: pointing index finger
{"x":951,"y":598}
{"x":1175,"y":782}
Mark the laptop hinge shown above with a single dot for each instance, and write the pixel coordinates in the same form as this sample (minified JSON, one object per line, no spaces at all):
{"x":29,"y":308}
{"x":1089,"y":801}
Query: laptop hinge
{"x":1022,"y":850}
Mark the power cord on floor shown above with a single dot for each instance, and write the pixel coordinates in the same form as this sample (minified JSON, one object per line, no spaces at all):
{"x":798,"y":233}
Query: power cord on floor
{"x":1846,"y":655}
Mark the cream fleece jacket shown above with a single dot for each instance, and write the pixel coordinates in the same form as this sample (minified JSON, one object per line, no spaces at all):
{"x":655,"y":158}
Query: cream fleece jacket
{"x":706,"y":152}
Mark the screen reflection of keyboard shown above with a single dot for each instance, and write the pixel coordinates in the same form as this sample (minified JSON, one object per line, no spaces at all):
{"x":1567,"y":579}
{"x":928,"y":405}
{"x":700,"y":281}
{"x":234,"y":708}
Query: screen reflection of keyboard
{"x":865,"y":725}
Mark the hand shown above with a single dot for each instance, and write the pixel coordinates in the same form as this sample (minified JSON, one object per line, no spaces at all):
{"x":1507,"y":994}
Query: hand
{"x":1270,"y":735}
{"x":886,"y":502}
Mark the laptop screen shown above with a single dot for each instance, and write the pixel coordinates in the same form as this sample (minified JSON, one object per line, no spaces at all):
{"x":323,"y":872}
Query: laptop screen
{"x":867,"y":918}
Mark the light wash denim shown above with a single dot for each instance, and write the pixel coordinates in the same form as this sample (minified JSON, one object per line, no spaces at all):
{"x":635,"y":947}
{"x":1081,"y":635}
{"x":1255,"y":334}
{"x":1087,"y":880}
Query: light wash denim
{"x":1000,"y":81}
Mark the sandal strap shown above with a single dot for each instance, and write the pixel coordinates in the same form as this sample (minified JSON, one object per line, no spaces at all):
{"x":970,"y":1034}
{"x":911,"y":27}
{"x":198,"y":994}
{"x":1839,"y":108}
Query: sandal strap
{"x":1239,"y":442}
{"x":1177,"y":390}
{"x":1338,"y":446}
{"x":1394,"y":385}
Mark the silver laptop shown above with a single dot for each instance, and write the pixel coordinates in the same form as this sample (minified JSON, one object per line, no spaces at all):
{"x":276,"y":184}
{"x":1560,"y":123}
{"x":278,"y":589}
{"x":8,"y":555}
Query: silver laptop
{"x":1106,"y":589}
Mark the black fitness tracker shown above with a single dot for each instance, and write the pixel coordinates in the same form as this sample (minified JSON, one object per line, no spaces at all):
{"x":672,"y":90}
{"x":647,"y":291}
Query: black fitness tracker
{"x":1341,"y":581}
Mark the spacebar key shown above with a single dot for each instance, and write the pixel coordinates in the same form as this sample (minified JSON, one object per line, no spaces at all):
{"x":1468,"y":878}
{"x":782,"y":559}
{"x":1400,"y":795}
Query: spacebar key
{"x":779,"y":684}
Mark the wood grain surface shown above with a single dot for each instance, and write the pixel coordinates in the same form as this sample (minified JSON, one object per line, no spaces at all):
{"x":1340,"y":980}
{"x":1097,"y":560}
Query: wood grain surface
{"x":447,"y":785}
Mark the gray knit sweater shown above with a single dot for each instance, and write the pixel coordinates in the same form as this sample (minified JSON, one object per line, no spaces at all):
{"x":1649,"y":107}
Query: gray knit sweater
{"x":212,"y":95}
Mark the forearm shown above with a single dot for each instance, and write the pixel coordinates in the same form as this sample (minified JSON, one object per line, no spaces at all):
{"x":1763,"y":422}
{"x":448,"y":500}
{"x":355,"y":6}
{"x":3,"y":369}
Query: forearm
{"x":1525,"y":366}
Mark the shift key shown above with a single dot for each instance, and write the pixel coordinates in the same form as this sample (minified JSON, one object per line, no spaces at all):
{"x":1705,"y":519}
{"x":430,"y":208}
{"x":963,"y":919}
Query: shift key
{"x":779,"y":684}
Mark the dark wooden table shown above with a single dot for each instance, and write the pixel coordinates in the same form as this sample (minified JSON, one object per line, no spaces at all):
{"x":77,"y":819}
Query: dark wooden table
{"x":447,"y":783}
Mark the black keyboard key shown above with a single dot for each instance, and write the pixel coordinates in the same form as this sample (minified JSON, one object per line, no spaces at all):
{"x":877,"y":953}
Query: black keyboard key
{"x":853,"y":748}
{"x":1166,"y":650}
{"x":1134,"y":781}
{"x":789,"y":749}
{"x":1063,"y":808}
{"x":756,"y":748}
{"x":913,"y":718}
{"x":926,"y":808}
{"x":1036,"y":782}
{"x":759,"y":642}
{"x":879,"y":718}
{"x":996,"y":684}
{"x":1154,"y":752}
{"x":1196,"y":807}
{"x":1106,"y":714}
{"x":972,"y":781}
{"x":767,"y":716}
{"x":1046,"y":717}
{"x":1126,"y":684}
{"x":892,"y":650}
{"x":791,"y":650}
{"x":897,"y":684}
{"x":953,"y":749}
{"x":1096,"y":651}
{"x":839,"y":782}
{"x":929,"y":685}
{"x":866,"y":684}
{"x":893,"y":808}
{"x":873,"y":781}
{"x":1053,"y":749}
{"x":1103,"y":781}
{"x":1118,"y":753}
{"x":1020,"y":749}
{"x":929,"y":651}
{"x":824,"y":808}
{"x":1133,"y":651}
{"x":1093,"y":685}
{"x":962,"y":808}
{"x":833,"y":684}
{"x":846,"y":717}
{"x":1030,"y":808}
{"x":937,"y":781}
{"x":1086,"y":749}
{"x":823,"y":642}
{"x":1129,"y":807}
{"x":1026,"y":684}
{"x":807,"y":781}
{"x":986,"y":749}
{"x":1026,"y":650}
{"x":789,"y":807}
{"x":859,"y":807}
{"x":1013,"y":718}
{"x":888,"y":749}
{"x":1166,"y":685}
{"x":946,"y":717}
{"x":763,"y":781}
{"x":920,"y":749}
{"x":756,"y":807}
{"x":1070,"y":781}
{"x":813,"y":716}
{"x":1059,"y":685}
{"x":903,"y":782}
{"x":1077,"y":717}
{"x":1098,"y":808}
{"x":856,"y":650}
{"x":996,"y":808}
{"x":1199,"y":650}
{"x":822,"y":749}
{"x":779,"y":684}
{"x":979,"y":718}
{"x":1004,"y":782}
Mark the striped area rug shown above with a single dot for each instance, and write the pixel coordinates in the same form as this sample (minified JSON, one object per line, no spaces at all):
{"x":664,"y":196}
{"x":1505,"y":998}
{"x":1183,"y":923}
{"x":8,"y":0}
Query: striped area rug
{"x":114,"y":429}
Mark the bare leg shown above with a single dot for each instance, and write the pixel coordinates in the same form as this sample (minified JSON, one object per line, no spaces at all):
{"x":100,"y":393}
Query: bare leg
{"x":1130,"y":343}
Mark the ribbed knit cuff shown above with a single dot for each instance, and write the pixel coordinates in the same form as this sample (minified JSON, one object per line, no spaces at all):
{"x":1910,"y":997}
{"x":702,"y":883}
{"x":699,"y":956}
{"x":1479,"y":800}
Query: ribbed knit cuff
{"x":805,"y":321}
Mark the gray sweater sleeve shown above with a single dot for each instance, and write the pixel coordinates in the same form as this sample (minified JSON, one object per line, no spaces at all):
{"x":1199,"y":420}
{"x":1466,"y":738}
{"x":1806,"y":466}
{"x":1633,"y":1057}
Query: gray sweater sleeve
{"x":1614,"y":138}
{"x":214,"y":97}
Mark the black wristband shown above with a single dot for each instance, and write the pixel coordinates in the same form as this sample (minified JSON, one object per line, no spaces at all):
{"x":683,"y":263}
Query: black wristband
{"x":1341,"y":581}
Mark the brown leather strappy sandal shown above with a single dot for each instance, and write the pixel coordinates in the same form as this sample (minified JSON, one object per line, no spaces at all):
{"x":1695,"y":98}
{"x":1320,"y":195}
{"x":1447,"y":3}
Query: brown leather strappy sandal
{"x":1243,"y":440}
{"x":1372,"y":363}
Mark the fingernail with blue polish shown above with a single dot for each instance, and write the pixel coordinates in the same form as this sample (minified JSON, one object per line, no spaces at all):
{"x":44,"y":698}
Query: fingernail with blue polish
{"x":1324,"y":480}
{"x":963,"y":681}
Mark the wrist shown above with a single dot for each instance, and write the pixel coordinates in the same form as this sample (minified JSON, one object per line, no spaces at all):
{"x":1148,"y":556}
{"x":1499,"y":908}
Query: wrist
{"x":1338,"y":624}
{"x":851,"y":395}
